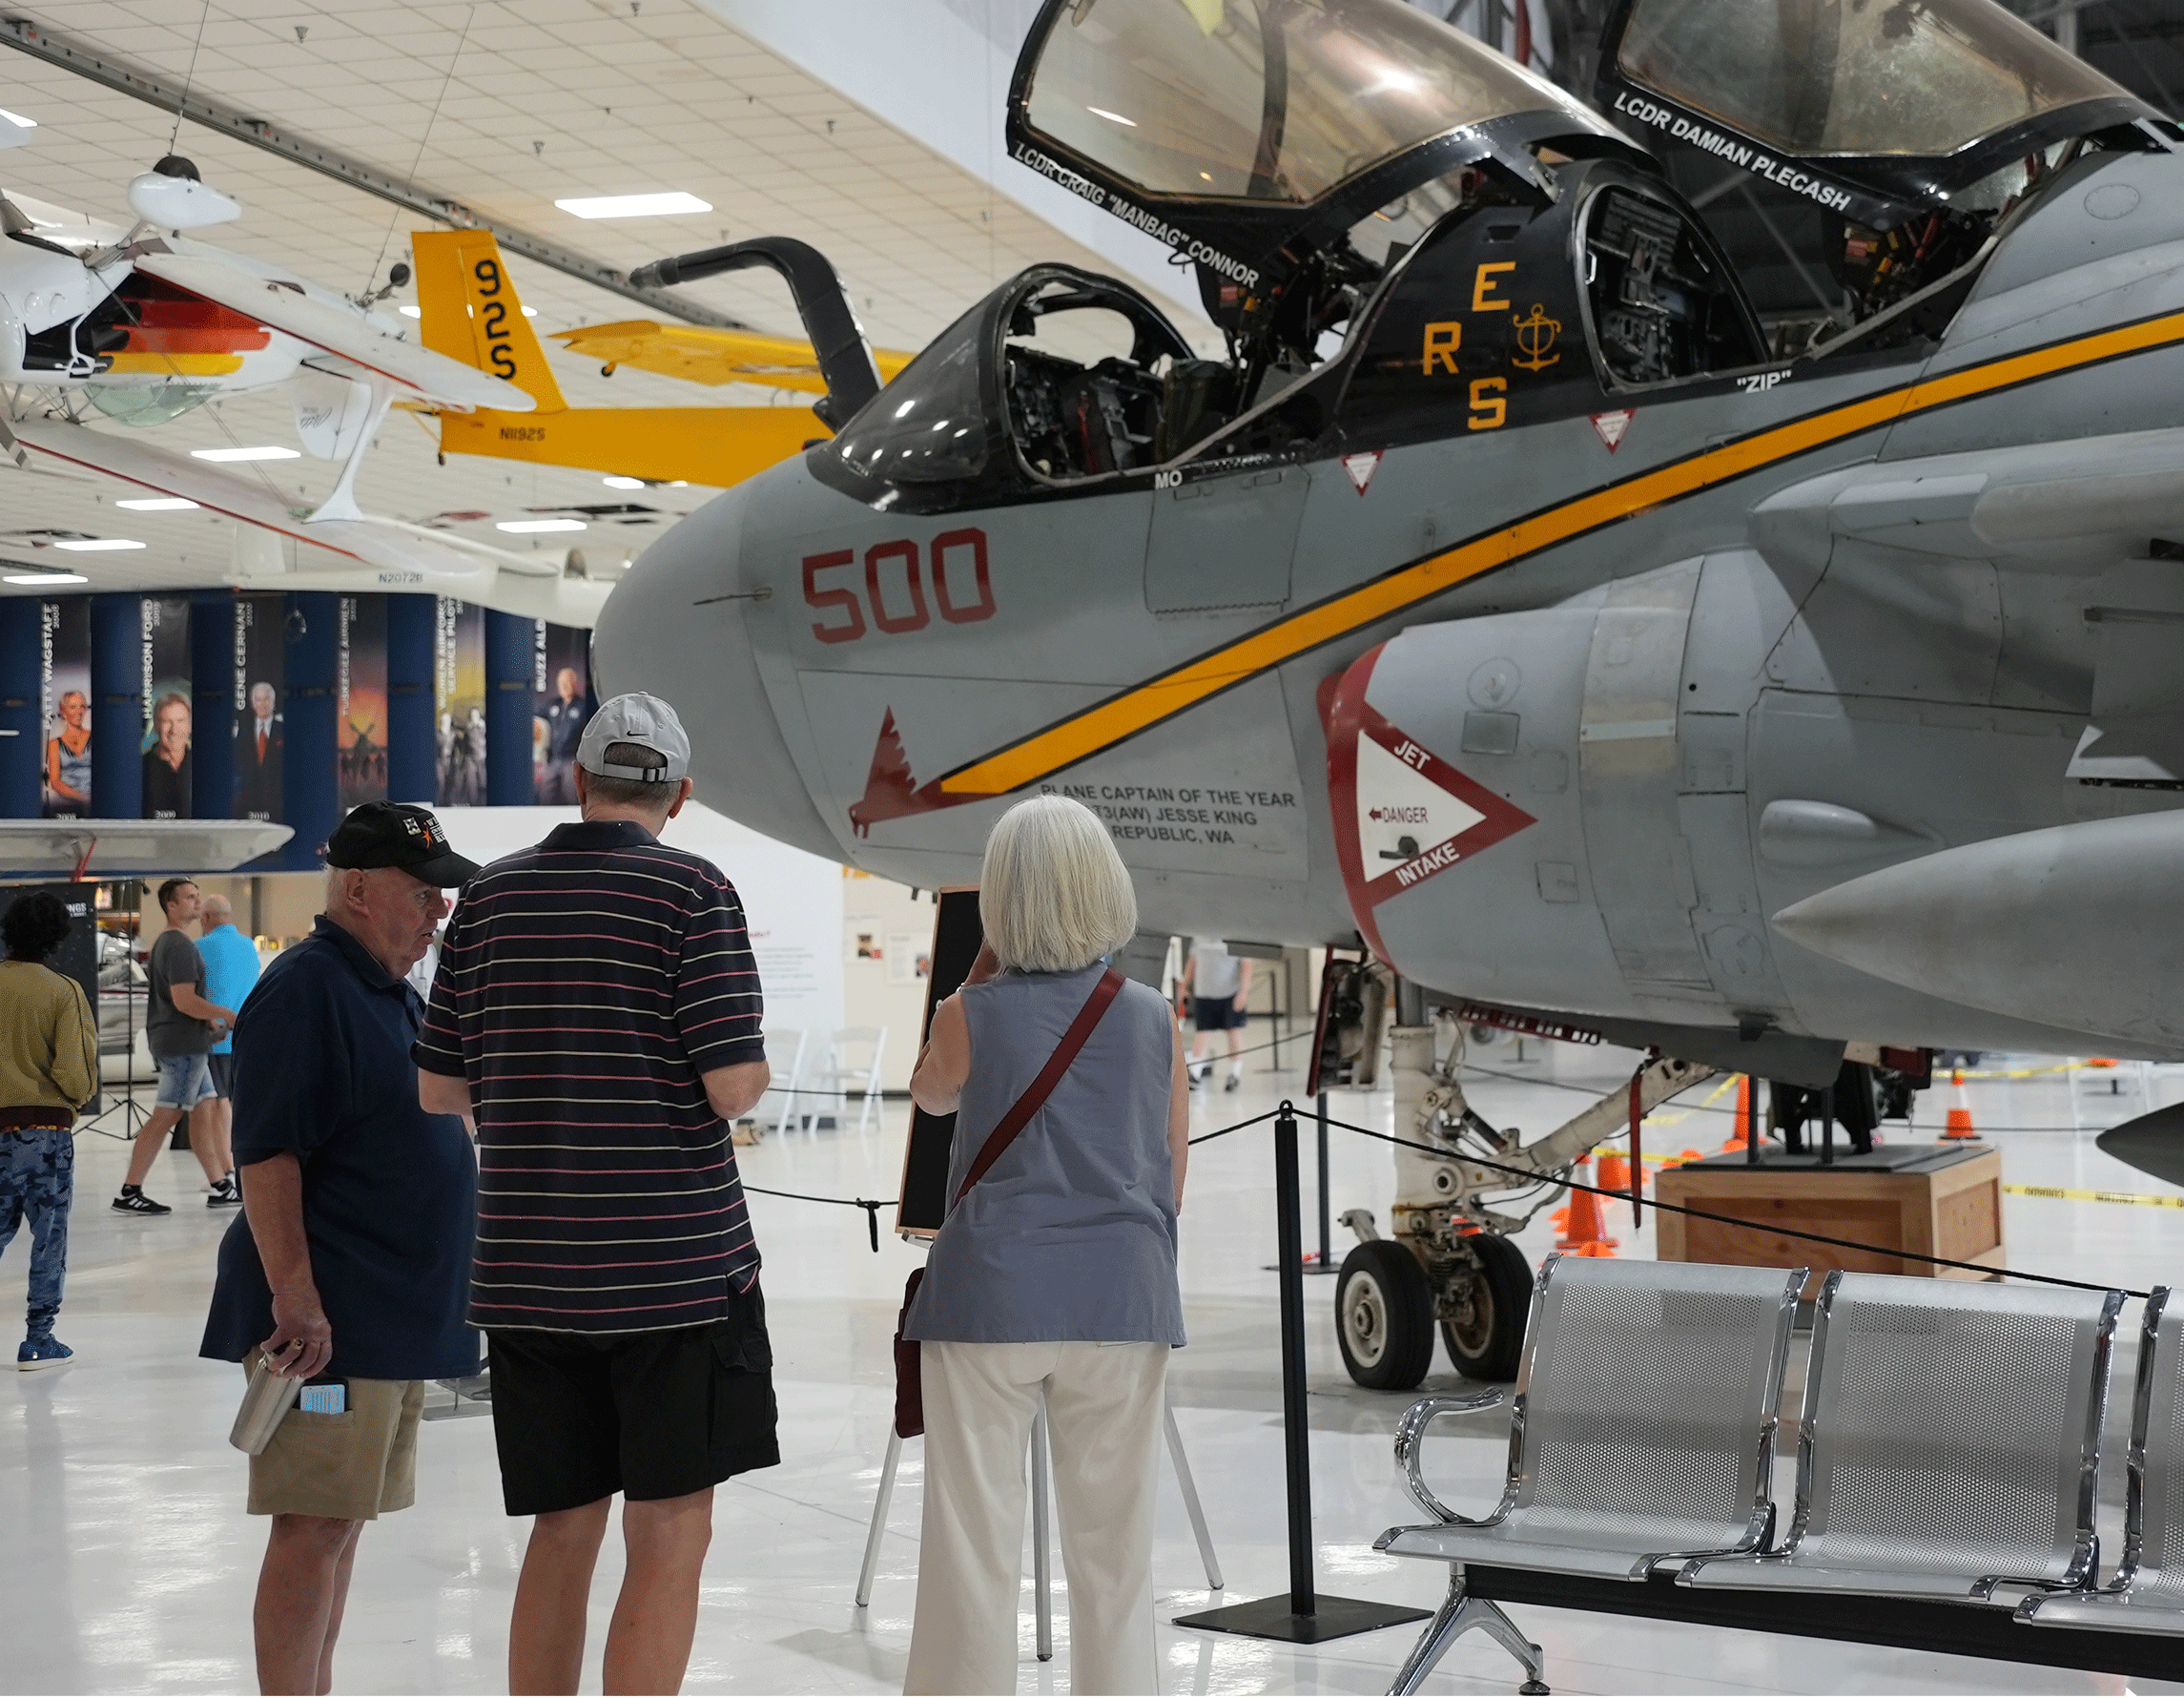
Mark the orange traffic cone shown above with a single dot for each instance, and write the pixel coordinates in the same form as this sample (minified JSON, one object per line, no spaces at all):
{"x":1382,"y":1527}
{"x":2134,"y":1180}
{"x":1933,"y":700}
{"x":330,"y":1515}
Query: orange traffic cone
{"x":1737,"y":1139}
{"x":1586,"y":1234}
{"x":1960,"y":1111}
{"x":1615,"y":1172}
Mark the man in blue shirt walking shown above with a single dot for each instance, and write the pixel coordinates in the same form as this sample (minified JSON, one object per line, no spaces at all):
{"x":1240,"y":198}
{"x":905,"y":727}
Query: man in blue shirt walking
{"x":231,"y":970}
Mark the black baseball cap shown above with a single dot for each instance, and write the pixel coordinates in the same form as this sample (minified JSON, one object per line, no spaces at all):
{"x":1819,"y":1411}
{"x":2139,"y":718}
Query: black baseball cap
{"x":399,"y":835}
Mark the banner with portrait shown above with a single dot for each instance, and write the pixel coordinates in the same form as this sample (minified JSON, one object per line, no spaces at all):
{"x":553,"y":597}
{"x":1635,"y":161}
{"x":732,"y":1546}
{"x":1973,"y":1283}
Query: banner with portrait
{"x":361,"y":700}
{"x":164,"y":748}
{"x":561,"y":675}
{"x":458,"y":702}
{"x":63,"y":696}
{"x":260,"y":679}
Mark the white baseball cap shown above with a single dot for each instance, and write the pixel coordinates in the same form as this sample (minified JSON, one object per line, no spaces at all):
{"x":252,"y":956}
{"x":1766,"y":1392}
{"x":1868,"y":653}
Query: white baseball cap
{"x":644,"y":720}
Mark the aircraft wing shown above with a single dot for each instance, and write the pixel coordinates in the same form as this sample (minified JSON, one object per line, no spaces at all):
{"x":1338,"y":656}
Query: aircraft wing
{"x":280,"y":306}
{"x":362,"y":542}
{"x":713,"y":356}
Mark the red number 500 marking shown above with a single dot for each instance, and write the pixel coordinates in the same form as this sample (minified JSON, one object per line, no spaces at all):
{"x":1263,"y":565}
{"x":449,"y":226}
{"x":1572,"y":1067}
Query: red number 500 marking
{"x":952,"y":552}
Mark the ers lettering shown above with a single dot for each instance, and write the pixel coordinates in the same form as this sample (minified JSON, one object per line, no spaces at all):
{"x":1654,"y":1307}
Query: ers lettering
{"x":896,"y":578}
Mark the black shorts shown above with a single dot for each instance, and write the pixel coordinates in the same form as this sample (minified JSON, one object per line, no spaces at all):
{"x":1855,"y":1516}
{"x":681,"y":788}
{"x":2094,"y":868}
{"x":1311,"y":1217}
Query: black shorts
{"x":1216,"y":1014}
{"x":579,"y":1416}
{"x":224,"y":1074}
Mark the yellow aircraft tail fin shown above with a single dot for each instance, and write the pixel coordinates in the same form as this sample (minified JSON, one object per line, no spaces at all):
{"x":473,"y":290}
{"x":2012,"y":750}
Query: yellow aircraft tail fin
{"x":469,"y":312}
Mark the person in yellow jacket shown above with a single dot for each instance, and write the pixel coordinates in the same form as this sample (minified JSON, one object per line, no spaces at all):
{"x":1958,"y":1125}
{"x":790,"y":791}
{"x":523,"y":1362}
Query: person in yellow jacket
{"x":48,"y":1069}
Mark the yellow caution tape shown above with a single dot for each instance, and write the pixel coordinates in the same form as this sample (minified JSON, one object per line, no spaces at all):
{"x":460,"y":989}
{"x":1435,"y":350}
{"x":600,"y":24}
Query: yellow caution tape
{"x":2068,"y":1195}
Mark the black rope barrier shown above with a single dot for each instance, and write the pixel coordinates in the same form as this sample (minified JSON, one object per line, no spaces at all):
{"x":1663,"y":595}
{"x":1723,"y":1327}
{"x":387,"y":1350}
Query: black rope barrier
{"x":872,"y":1206}
{"x":1625,"y":1196}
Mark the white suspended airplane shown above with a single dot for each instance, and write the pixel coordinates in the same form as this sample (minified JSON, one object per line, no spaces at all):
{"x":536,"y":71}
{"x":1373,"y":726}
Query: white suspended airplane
{"x":143,"y":324}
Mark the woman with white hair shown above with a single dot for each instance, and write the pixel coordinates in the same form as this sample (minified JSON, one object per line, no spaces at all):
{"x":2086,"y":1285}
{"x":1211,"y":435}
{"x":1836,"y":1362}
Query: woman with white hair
{"x":1055,"y":1271}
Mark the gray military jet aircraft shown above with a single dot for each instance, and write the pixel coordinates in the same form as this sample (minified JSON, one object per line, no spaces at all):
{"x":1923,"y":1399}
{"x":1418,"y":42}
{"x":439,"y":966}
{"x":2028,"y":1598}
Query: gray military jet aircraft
{"x":1509,"y":599}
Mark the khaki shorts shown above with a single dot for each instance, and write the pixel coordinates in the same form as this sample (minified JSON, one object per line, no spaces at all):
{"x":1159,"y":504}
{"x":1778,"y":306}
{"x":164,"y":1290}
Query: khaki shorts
{"x":353,"y":1466}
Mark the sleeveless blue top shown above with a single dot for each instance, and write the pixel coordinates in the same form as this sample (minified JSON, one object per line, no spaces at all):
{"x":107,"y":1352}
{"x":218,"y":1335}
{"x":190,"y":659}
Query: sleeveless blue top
{"x":1071,"y":1234}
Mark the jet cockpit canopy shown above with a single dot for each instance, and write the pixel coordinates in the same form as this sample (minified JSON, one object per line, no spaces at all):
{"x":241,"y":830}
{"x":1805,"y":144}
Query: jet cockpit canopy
{"x":1879,"y":110}
{"x":1251,"y":135}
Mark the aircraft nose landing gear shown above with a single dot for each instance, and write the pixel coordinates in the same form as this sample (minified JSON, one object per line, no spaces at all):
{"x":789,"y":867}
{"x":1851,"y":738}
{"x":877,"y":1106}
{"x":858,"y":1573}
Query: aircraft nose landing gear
{"x":1451,"y":1261}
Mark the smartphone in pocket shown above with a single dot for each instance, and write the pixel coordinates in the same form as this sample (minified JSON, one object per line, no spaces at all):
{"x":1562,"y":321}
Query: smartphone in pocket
{"x":323,"y":1396}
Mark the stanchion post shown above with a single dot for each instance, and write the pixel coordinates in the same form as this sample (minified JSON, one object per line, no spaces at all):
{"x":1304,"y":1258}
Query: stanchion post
{"x":1751,"y":1122}
{"x":1296,"y":1425}
{"x":1327,"y":1227}
{"x":1302,"y":1615}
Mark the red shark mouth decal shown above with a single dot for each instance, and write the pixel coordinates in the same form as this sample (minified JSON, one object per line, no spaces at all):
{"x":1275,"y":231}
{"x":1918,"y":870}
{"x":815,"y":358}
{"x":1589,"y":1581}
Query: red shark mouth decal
{"x":1402,"y":814}
{"x":891,"y":789}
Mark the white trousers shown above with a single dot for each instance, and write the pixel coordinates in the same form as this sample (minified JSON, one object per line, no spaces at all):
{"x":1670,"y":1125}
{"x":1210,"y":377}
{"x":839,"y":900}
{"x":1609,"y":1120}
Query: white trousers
{"x":1104,"y":1404}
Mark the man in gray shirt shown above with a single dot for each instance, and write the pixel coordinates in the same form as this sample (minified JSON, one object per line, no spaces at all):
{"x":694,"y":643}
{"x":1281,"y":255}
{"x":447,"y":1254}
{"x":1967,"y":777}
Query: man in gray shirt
{"x":1215,"y":985}
{"x":180,"y":1027}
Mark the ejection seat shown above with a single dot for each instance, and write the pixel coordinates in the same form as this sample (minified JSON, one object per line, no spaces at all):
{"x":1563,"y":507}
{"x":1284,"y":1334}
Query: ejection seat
{"x":2147,"y":1595}
{"x":1642,"y":1433}
{"x":1949,"y":1444}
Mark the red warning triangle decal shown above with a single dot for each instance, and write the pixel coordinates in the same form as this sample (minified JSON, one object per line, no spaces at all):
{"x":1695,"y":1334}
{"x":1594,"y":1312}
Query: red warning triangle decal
{"x":1361,"y":467}
{"x":1612,"y":427}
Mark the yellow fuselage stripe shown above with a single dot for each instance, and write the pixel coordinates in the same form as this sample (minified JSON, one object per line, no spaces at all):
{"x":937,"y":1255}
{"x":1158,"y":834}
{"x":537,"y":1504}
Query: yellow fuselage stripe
{"x":1137,"y":708}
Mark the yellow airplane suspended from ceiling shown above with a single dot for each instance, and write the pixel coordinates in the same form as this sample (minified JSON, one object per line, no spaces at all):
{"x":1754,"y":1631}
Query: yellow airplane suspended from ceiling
{"x":469,"y":311}
{"x":711,"y":356}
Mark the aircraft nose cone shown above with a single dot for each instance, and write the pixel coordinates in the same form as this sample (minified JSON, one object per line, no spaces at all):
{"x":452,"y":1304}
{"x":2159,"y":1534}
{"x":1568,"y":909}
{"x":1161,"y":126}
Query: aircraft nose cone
{"x":678,"y":627}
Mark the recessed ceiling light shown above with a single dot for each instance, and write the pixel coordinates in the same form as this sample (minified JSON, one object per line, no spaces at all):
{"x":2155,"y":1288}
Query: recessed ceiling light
{"x":623,"y":483}
{"x":411,"y":312}
{"x":264,"y":453}
{"x":1113,"y":118}
{"x":531,"y":525}
{"x":530,"y":312}
{"x":634,"y":206}
{"x":18,"y":120}
{"x":44,"y":578}
{"x":156,"y":504}
{"x":96,"y":544}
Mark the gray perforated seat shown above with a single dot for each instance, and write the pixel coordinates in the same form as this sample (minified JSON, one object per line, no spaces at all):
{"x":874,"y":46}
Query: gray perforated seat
{"x":2147,"y":1595}
{"x":1643,"y":1426}
{"x":1950,"y":1439}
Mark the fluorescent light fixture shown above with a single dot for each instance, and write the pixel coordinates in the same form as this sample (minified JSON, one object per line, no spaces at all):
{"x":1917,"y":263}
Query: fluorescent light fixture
{"x":530,"y":312}
{"x":21,"y":122}
{"x":97,"y":545}
{"x":44,"y":578}
{"x":157,"y":504}
{"x":623,"y":483}
{"x":634,"y":206}
{"x":524,"y":527}
{"x":227,"y":454}
{"x":411,"y":312}
{"x":1113,"y":118}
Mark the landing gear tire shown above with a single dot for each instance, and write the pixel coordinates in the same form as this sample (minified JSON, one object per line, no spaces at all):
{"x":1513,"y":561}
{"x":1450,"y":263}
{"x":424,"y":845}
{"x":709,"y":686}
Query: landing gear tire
{"x":1384,"y":1317}
{"x":1486,"y":1340}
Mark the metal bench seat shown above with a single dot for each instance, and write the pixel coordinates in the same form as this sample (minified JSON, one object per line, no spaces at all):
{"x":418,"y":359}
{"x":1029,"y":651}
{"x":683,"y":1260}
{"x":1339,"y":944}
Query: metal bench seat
{"x":2147,"y":1595}
{"x":1949,"y":1444}
{"x":1642,"y":1432}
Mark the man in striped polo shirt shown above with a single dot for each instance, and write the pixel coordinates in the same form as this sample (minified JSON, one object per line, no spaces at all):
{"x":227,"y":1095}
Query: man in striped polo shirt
{"x":597,"y":1008}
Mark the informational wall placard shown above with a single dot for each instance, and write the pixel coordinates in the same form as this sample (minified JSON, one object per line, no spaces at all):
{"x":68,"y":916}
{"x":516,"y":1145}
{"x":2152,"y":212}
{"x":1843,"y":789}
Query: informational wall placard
{"x":561,"y":676}
{"x":361,"y":700}
{"x":64,"y":684}
{"x":169,"y":727}
{"x":458,"y":702}
{"x":261,"y":731}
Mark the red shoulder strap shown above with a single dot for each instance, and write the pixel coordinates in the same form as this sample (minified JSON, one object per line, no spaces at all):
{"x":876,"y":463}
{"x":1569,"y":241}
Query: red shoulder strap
{"x":1038,"y":1089}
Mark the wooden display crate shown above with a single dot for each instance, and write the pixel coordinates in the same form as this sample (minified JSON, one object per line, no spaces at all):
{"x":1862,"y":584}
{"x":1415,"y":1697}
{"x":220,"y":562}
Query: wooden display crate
{"x":1945,"y":1201}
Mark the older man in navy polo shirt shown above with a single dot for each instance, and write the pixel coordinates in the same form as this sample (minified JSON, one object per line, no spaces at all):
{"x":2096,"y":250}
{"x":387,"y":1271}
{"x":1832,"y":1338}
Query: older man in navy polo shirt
{"x":351,"y":1266}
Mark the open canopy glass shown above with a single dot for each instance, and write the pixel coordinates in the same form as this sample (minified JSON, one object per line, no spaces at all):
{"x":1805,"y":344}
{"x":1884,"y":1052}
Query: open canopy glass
{"x":1860,"y":77}
{"x":1270,"y":101}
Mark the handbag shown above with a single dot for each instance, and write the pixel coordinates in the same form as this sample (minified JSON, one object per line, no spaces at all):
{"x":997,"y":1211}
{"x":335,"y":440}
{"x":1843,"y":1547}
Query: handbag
{"x":909,"y":1382}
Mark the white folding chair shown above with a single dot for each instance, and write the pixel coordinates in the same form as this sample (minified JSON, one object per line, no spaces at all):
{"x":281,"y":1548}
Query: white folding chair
{"x":1042,"y":1563}
{"x":839,"y":1076}
{"x":786,"y":1101}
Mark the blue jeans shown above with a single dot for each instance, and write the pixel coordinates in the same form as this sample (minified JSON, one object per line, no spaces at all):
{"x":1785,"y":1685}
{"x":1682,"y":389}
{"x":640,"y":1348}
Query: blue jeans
{"x":38,"y":1182}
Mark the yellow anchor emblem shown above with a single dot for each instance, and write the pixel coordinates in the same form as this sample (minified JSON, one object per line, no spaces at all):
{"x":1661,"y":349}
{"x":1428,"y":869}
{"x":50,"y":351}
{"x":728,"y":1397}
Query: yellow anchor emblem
{"x":1536,"y":334}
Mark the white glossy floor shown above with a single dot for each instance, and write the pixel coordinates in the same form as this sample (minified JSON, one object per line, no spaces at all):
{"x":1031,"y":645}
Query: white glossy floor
{"x":127,"y":1564}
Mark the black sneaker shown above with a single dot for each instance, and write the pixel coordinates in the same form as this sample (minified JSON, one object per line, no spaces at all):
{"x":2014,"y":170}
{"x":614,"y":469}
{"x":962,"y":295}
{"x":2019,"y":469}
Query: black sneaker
{"x":1235,"y":1082}
{"x":226,"y":1194}
{"x":131,"y":1200}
